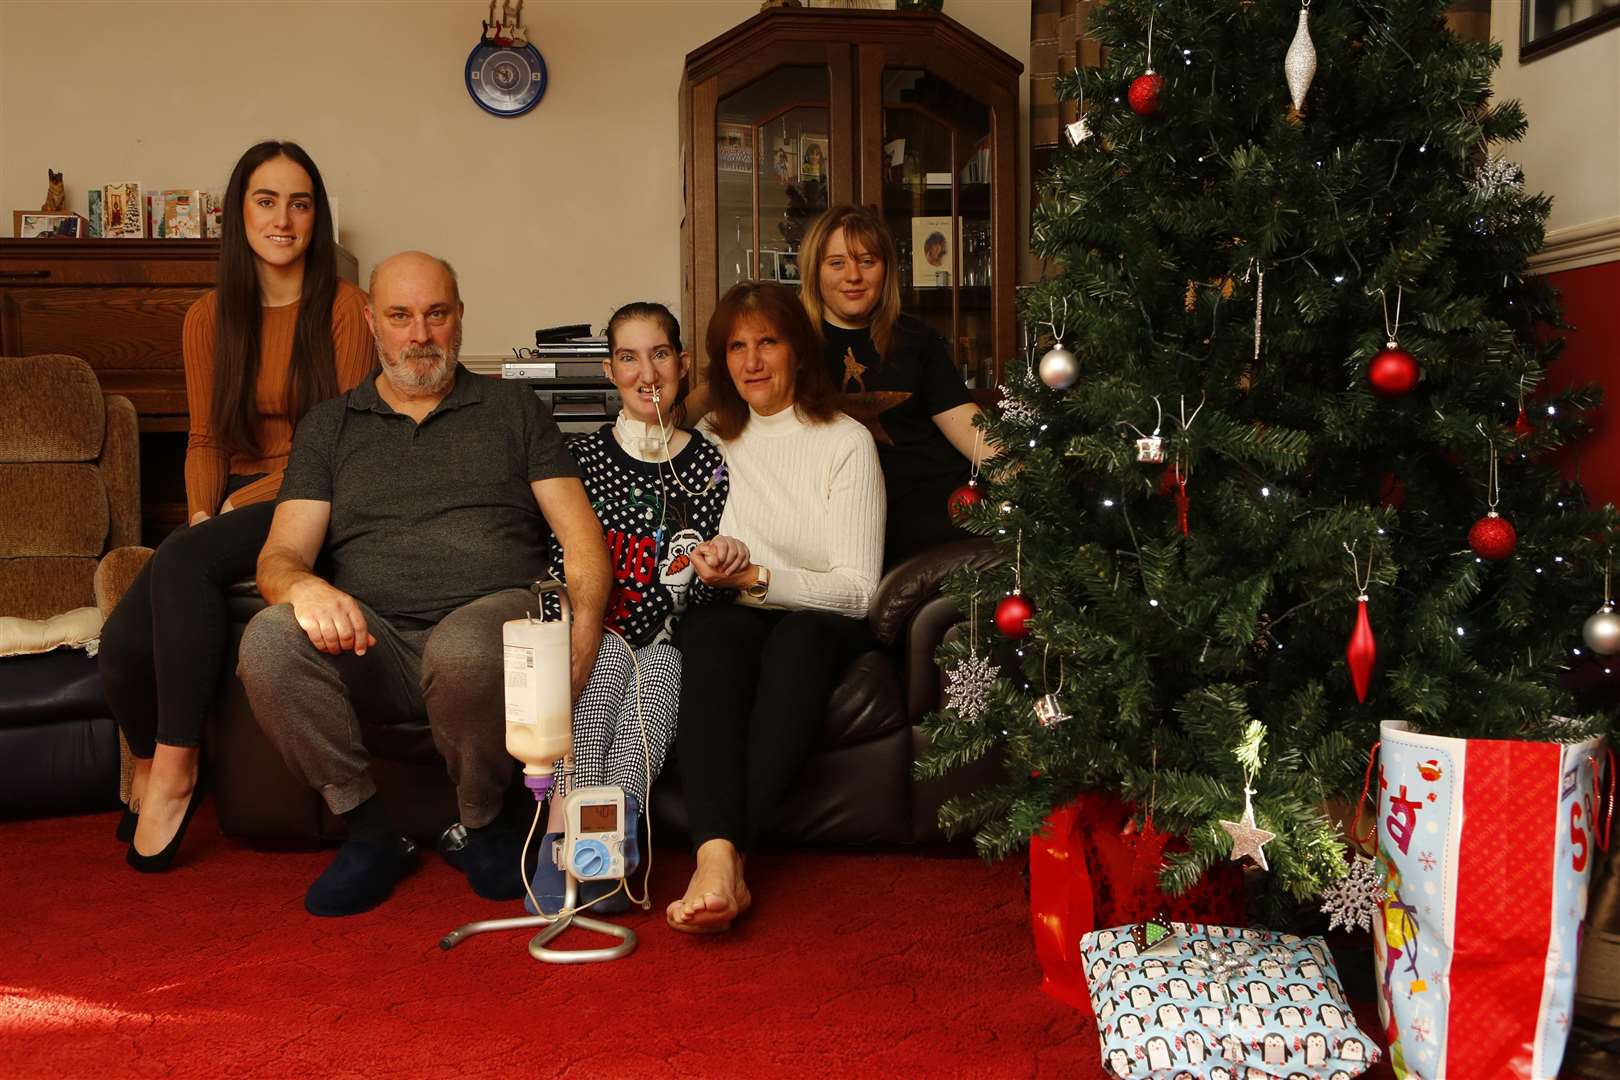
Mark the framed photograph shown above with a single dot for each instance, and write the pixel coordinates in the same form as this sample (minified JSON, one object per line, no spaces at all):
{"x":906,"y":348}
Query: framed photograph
{"x":787,"y":267}
{"x":1549,"y":25}
{"x":812,"y":158}
{"x":734,"y":147}
{"x":41,"y":225}
{"x":784,"y":154}
{"x":931,"y":240}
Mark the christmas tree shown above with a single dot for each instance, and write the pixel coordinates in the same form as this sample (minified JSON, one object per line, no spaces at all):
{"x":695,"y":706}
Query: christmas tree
{"x":1289,"y":359}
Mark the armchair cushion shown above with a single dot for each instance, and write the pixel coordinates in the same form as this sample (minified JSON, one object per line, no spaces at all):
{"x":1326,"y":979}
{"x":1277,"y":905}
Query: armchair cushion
{"x":22,"y":636}
{"x":52,"y":410}
{"x":52,"y":510}
{"x":37,"y":588}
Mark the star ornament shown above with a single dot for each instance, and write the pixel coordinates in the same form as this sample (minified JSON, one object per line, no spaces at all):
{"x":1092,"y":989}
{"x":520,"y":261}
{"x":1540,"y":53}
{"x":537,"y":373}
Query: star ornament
{"x":868,"y":406}
{"x":1248,"y":839}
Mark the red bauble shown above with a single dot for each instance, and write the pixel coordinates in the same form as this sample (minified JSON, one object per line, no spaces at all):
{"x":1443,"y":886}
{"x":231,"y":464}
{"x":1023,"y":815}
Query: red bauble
{"x":1144,"y":94}
{"x":1361,"y":652}
{"x":969,"y":494}
{"x":1493,"y":537}
{"x":1393,"y":372}
{"x":1013,"y":615}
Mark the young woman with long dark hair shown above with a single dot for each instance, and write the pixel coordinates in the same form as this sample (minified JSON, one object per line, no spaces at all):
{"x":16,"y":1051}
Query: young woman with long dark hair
{"x":800,"y":541}
{"x":277,"y":334}
{"x":852,"y":294}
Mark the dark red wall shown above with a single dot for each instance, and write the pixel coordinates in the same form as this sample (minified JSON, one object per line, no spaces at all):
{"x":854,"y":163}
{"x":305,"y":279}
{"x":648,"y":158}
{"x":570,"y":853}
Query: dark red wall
{"x":1591,"y":298}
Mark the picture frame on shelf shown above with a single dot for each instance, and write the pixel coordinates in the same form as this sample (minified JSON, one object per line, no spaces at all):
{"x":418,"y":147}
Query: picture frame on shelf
{"x":783,"y":155}
{"x":931,"y":241}
{"x":787,"y":267}
{"x":813,"y":159}
{"x":46,"y":225}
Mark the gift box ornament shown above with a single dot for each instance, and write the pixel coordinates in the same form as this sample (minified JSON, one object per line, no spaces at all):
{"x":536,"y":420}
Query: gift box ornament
{"x":1222,"y":1003}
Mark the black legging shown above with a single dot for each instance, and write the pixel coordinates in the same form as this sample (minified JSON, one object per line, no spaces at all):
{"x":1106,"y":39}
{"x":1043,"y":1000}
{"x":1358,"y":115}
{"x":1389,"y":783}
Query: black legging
{"x":754,"y":690}
{"x":163,"y":646}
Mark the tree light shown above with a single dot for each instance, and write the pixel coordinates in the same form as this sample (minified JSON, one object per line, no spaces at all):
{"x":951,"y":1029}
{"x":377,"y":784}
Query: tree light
{"x":1460,"y":631}
{"x":1108,"y":502}
{"x":1153,"y":603}
{"x":1552,"y":410}
{"x":1265,"y":493}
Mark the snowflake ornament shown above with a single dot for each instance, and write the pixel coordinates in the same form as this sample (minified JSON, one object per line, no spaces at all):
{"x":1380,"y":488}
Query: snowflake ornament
{"x":967,"y":686}
{"x":1019,"y":411}
{"x":1353,"y":900}
{"x":1496,"y":178}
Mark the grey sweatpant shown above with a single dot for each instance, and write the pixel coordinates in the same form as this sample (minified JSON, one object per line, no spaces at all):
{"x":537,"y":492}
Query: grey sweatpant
{"x":451,"y":675}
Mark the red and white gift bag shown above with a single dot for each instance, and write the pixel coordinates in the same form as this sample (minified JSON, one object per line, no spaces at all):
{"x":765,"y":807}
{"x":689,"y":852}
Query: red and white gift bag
{"x":1486,"y":846}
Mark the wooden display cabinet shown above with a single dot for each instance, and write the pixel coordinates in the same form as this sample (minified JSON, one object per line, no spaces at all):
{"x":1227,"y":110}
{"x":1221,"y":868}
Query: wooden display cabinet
{"x":909,"y":112}
{"x":120,"y":306}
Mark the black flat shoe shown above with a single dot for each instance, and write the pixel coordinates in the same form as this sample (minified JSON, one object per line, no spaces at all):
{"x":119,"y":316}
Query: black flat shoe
{"x":126,"y":826}
{"x":156,"y":864}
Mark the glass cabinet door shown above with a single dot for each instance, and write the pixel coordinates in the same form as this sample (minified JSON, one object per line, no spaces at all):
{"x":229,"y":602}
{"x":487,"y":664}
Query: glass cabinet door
{"x":773,"y":162}
{"x":937,"y":172}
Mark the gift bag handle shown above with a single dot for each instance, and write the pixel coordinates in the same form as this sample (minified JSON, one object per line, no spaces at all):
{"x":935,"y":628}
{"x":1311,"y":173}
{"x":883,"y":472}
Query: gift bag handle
{"x":1361,"y":803}
{"x":1605,"y":822}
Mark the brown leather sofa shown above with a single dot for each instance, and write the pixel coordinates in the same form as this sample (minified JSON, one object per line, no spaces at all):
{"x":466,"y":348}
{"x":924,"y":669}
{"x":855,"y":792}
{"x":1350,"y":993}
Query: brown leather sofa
{"x":857,"y":790}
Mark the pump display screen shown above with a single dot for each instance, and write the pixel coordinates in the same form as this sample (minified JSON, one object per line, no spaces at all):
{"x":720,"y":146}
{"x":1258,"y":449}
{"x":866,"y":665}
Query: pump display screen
{"x":598,"y":817}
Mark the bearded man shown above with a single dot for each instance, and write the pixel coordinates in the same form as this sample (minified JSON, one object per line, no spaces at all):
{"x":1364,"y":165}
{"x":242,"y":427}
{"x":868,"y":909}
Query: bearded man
{"x":429,"y":492}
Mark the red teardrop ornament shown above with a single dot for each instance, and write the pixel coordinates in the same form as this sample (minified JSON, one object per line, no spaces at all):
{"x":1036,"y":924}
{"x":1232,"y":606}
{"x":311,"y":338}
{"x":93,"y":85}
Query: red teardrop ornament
{"x":1361,"y":652}
{"x":1522,"y":427}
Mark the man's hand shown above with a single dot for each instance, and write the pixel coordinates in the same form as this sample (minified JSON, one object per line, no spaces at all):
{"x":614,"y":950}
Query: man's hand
{"x":334,"y":622}
{"x":583,"y":644}
{"x":724,"y":563}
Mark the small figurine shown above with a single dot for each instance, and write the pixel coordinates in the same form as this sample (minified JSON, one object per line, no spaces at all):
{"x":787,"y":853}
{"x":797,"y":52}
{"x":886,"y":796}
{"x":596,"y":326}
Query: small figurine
{"x":55,"y":194}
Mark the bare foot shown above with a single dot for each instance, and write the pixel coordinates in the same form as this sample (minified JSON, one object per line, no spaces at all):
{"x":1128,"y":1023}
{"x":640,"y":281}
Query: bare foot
{"x":171,"y":778}
{"x":716,"y":894}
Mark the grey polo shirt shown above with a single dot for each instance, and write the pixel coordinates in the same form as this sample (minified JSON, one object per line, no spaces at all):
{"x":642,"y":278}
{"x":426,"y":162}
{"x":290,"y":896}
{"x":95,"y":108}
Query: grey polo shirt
{"x":427,"y":517}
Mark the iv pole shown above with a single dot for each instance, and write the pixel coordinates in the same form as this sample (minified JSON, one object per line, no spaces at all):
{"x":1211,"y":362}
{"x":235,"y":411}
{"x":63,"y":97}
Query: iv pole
{"x":554,"y":925}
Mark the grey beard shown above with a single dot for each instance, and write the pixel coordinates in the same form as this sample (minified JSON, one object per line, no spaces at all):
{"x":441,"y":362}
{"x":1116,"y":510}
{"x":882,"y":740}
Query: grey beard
{"x":406,"y":372}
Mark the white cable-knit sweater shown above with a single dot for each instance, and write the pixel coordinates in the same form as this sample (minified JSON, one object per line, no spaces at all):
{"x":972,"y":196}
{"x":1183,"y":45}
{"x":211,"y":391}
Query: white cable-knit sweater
{"x":807,"y":499}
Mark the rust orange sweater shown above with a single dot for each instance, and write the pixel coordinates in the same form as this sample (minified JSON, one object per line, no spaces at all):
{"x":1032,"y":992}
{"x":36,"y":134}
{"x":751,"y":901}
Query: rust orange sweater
{"x":208,"y":464}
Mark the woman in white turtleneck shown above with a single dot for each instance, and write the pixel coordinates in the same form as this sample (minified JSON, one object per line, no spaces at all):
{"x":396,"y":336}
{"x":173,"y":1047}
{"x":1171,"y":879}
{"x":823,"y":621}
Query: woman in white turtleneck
{"x":658,"y":491}
{"x":802,"y":543}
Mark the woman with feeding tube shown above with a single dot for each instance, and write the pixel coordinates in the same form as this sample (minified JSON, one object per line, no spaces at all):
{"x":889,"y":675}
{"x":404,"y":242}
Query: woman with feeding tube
{"x":802,"y":539}
{"x":658,"y":491}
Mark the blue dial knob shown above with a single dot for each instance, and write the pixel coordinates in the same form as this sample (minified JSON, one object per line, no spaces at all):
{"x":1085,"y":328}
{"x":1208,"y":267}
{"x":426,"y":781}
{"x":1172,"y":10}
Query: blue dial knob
{"x":591,"y":858}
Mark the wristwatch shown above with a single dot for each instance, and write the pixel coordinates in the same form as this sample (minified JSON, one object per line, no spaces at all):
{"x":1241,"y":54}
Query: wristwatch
{"x":761,"y":586}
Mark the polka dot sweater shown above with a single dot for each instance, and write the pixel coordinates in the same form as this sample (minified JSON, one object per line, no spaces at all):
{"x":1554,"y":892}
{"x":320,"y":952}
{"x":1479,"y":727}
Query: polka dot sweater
{"x":651,"y":526}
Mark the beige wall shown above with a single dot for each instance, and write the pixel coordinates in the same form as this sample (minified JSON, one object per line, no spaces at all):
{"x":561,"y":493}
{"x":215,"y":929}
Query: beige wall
{"x":557,"y":216}
{"x":1572,"y":151}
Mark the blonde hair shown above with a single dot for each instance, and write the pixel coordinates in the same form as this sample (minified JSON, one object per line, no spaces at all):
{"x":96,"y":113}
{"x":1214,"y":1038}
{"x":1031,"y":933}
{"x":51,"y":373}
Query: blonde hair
{"x":863,"y":228}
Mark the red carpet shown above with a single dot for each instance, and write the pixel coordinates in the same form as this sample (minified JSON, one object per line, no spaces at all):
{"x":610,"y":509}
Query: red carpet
{"x":871,"y":965}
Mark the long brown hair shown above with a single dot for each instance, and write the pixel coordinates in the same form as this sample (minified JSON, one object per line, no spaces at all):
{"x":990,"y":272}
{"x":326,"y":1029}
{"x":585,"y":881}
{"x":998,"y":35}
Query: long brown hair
{"x":863,"y":228}
{"x":238,"y":310}
{"x":814,"y":394}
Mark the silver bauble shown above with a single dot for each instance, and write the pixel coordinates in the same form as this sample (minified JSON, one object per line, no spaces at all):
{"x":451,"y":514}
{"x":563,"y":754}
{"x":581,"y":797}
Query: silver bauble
{"x":1059,"y":368}
{"x":1299,"y":65}
{"x":1602,"y":631}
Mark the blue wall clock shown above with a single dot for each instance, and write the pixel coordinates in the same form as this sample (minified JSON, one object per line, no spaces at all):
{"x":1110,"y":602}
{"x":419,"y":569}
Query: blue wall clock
{"x":506,"y":80}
